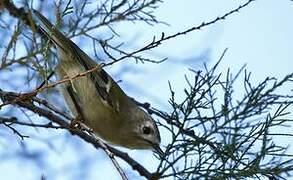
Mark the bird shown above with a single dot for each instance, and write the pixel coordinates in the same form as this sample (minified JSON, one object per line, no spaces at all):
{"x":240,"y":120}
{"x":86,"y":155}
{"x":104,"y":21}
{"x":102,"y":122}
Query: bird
{"x":97,"y":100}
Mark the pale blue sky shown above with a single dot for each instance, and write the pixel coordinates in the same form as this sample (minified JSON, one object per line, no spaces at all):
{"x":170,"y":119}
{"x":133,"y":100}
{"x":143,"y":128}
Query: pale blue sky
{"x":260,"y":36}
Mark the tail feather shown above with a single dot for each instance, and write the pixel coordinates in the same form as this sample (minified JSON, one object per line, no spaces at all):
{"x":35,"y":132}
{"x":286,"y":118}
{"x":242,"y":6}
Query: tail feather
{"x":52,"y":32}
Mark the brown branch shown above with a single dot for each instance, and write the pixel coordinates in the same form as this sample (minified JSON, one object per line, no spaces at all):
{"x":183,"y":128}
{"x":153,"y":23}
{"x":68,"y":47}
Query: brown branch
{"x":33,"y":93}
{"x":156,"y":43}
{"x":8,"y":124}
{"x":112,"y":158}
{"x":22,"y":101}
{"x":21,"y":14}
{"x":14,"y":120}
{"x":10,"y":96}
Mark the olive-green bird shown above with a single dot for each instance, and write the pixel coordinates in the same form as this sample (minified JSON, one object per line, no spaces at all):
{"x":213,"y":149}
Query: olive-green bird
{"x":98,"y":99}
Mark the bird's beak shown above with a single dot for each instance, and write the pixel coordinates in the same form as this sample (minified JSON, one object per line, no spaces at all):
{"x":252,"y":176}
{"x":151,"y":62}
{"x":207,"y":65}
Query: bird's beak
{"x":158,"y":150}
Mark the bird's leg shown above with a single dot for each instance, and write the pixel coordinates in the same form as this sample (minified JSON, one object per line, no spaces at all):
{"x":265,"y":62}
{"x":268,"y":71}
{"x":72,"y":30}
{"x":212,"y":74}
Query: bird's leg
{"x":77,"y":123}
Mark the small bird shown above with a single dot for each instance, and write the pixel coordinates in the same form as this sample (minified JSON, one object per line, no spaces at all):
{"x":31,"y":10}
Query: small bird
{"x":98,"y":100}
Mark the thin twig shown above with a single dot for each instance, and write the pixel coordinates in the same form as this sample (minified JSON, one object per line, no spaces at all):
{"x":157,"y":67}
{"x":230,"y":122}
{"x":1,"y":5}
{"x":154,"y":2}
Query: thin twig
{"x":10,"y":96}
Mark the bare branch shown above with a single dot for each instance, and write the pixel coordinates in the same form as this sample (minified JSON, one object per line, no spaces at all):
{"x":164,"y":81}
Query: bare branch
{"x":9,"y":96}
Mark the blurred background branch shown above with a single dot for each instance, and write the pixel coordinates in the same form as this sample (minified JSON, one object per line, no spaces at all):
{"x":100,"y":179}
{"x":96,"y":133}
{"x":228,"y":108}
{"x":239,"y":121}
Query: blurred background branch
{"x":211,"y":131}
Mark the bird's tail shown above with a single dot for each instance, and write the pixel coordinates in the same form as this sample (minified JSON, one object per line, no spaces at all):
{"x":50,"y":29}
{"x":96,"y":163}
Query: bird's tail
{"x":58,"y":38}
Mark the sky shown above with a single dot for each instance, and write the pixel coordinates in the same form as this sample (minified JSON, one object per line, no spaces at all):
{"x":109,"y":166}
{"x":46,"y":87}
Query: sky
{"x":259,"y":36}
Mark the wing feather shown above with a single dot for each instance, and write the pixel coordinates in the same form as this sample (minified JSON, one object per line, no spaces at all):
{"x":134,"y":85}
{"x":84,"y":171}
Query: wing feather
{"x":102,"y":81}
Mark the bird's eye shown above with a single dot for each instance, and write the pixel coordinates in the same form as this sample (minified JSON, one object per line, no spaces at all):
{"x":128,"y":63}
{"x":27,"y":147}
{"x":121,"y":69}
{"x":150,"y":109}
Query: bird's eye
{"x":146,"y":130}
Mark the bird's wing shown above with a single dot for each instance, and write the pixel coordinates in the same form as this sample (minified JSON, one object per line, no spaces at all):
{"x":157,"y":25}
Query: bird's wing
{"x":102,"y":81}
{"x":104,"y":84}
